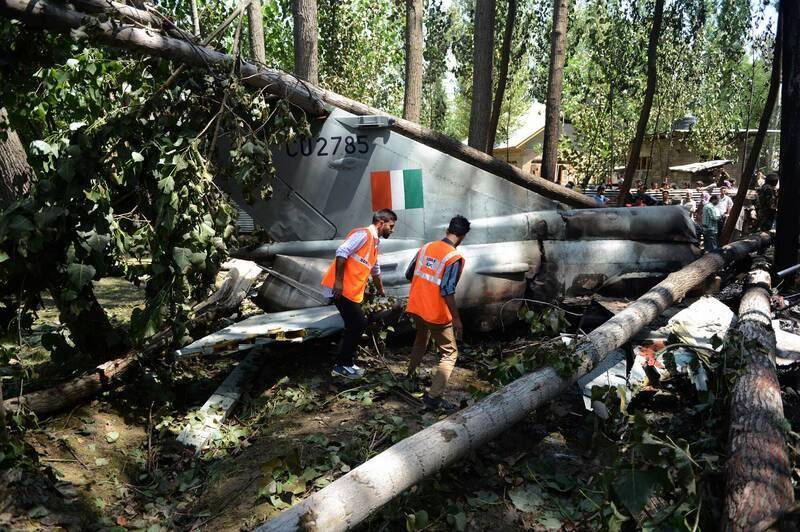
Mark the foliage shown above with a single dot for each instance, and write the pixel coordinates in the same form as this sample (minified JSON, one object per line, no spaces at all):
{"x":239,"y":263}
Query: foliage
{"x":124,"y":174}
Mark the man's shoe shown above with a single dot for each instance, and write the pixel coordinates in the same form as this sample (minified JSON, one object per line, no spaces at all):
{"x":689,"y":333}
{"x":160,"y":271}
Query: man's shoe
{"x":438,"y":404}
{"x":347,"y":372}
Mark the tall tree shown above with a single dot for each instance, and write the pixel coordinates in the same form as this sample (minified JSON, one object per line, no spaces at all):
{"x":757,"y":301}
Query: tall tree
{"x":758,"y":141}
{"x":15,"y":172}
{"x":256,"y":24}
{"x":195,"y":18}
{"x":649,"y":93}
{"x":483,"y":50}
{"x":788,"y":222}
{"x":412,"y":103}
{"x":306,"y":60}
{"x":502,"y":75}
{"x":555,"y":80}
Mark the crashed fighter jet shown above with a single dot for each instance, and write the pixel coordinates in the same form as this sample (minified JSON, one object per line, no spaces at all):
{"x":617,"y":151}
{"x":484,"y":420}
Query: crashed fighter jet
{"x":522,"y":244}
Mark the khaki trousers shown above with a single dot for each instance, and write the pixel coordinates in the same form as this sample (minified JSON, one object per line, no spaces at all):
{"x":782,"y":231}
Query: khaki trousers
{"x":445,"y":340}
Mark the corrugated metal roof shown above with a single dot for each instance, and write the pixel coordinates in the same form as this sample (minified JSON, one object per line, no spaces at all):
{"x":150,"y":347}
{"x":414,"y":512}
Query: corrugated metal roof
{"x":699,"y":167}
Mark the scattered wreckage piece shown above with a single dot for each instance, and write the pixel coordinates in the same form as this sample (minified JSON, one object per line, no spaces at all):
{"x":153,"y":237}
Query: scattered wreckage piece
{"x":204,"y":425}
{"x":296,"y":326}
{"x":759,"y":475}
{"x":349,"y":500}
{"x":108,"y":375}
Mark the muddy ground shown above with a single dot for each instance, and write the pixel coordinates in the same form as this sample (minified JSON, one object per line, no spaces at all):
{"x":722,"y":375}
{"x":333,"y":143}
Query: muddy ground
{"x":114,"y":463}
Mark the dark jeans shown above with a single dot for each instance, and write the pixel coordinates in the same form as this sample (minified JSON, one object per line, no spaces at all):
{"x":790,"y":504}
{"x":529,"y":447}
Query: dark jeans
{"x":354,"y":324}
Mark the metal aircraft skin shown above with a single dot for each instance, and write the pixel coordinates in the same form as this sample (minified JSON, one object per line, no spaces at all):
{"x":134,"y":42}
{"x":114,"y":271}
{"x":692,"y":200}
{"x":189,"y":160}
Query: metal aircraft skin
{"x":522,"y":244}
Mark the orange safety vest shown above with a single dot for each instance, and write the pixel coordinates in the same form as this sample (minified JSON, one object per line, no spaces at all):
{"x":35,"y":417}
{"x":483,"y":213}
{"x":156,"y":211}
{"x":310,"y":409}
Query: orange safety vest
{"x":425,"y":299}
{"x":357,"y":268}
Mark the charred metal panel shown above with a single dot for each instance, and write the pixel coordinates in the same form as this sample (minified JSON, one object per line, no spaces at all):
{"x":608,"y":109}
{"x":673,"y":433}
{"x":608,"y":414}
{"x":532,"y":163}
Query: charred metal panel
{"x":652,"y":224}
{"x":660,"y":224}
{"x":573,"y":268}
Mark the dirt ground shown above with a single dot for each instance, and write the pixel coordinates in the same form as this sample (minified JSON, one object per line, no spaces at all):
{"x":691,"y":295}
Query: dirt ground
{"x":114,"y":463}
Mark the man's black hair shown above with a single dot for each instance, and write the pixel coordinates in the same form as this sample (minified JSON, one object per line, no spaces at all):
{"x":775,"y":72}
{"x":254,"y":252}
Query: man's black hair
{"x":772,"y":178}
{"x":384,"y":215}
{"x":459,"y":225}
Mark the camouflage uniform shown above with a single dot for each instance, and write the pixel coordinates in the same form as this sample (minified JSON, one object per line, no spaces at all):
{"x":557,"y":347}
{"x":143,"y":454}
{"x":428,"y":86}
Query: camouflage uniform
{"x":767,"y":206}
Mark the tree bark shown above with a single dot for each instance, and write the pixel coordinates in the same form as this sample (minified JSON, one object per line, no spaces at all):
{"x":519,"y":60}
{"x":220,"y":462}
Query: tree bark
{"x":482,"y":54}
{"x":3,"y":423}
{"x":412,"y":101}
{"x":222,"y":303}
{"x":306,"y":58}
{"x":15,"y":172}
{"x":195,"y":18}
{"x":502,"y":75}
{"x":256,"y":24}
{"x":552,"y":120}
{"x":304,"y":95}
{"x":649,"y":93}
{"x":758,"y":141}
{"x":349,"y":500}
{"x":759,"y":474}
{"x":788,"y":222}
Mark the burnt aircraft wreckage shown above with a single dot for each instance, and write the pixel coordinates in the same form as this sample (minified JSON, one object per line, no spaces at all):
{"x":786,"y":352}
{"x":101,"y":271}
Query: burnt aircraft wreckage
{"x":522,"y":244}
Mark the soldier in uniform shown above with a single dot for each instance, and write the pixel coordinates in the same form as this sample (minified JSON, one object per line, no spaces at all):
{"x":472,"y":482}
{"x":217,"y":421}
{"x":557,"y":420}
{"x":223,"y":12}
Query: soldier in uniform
{"x":768,"y":202}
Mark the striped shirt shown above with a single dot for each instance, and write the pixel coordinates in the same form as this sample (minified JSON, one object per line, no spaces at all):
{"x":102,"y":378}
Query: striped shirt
{"x":350,"y":246}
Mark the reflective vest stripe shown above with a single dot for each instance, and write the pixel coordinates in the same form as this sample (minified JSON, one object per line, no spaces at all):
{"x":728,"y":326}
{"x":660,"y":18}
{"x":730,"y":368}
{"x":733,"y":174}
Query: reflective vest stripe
{"x":435,"y":280}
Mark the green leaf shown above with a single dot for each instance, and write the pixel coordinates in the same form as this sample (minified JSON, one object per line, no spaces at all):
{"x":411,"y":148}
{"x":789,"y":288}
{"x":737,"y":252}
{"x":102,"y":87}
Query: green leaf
{"x":42,"y":147}
{"x":635,"y":487}
{"x":112,"y":436}
{"x":80,"y":274}
{"x":21,"y":223}
{"x":182,"y":258}
{"x":100,"y":462}
{"x":137,"y":157}
{"x":3,"y":256}
{"x":526,"y":498}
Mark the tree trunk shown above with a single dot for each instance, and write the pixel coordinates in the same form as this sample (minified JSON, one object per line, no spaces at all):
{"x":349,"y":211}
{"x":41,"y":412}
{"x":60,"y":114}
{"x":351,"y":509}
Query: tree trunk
{"x":482,"y":54}
{"x":304,"y":95}
{"x":552,"y":120}
{"x":306,"y":59}
{"x":759,"y":474}
{"x":195,"y":18}
{"x":349,"y":500}
{"x":89,"y":328}
{"x":758,"y":141}
{"x":3,"y":425}
{"x":502,"y":75}
{"x":412,"y":102}
{"x":649,"y":93}
{"x":15,"y":172}
{"x":788,"y":222}
{"x":222,"y":303}
{"x":255,"y":20}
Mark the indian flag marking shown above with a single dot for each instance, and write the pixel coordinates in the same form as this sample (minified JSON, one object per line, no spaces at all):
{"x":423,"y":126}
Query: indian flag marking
{"x":396,"y":189}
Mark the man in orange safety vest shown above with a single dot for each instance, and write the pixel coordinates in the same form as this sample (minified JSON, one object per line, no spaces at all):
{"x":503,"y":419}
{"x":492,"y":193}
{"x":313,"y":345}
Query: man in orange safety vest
{"x":347,"y":277}
{"x":434,"y":274}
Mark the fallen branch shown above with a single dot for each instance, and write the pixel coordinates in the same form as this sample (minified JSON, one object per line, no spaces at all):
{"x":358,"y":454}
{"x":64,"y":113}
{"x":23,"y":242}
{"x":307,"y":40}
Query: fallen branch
{"x":759,"y":475}
{"x":349,"y":500}
{"x":108,"y":375}
{"x":45,"y":13}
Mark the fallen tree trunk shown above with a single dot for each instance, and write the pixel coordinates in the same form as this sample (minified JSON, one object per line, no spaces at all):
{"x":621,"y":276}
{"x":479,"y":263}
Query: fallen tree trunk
{"x":349,"y":500}
{"x":759,"y":475}
{"x":222,"y":303}
{"x":44,"y":13}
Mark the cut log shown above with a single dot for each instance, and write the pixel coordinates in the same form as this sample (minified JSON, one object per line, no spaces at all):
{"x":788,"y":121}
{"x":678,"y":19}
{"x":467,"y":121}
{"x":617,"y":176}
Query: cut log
{"x":109,"y":375}
{"x":45,"y":13}
{"x":759,"y":475}
{"x":349,"y":500}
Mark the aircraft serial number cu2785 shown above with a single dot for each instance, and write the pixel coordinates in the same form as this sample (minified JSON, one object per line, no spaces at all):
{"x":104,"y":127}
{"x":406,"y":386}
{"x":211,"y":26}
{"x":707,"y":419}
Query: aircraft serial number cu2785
{"x":324,"y":147}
